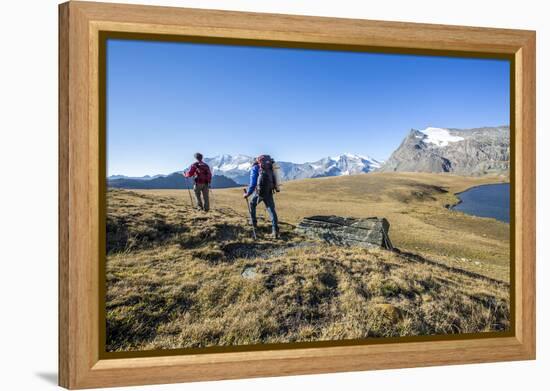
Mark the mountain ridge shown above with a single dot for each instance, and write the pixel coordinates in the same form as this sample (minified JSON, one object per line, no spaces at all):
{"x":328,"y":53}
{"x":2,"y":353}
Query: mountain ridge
{"x":237,"y":167}
{"x":171,"y":181}
{"x":475,"y":151}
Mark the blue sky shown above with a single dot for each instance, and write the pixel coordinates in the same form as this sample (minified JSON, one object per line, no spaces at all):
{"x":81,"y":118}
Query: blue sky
{"x":167,"y":100}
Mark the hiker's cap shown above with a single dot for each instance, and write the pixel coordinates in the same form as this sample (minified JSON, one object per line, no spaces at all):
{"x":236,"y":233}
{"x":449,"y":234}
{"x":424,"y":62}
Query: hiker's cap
{"x":198,"y":156}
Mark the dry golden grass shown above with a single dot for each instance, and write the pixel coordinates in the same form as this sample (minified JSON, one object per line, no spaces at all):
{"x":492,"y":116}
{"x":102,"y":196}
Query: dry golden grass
{"x":180,"y":278}
{"x":413,"y":203}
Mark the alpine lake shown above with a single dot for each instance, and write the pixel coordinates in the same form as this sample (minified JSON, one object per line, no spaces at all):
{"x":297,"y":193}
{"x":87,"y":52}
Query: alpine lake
{"x":486,"y":201}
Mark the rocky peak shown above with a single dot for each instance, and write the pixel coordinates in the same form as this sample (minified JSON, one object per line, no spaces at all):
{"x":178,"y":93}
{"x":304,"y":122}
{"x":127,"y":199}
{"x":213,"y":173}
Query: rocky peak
{"x":478,"y":151}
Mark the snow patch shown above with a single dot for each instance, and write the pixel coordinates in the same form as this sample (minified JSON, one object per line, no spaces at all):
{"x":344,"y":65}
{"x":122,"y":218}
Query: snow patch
{"x":227,"y":167}
{"x":439,"y":136}
{"x":227,"y":162}
{"x":244,"y":166}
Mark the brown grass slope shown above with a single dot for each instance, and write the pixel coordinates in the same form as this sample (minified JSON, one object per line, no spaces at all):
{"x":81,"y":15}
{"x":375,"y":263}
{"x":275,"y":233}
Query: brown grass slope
{"x":414,"y":204}
{"x":180,"y":278}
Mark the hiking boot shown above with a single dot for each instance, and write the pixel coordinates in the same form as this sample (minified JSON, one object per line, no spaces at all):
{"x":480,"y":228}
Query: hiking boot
{"x":275,"y":234}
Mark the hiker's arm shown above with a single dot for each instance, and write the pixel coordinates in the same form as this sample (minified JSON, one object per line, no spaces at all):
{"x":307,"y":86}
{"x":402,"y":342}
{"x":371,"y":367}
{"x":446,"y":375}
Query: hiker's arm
{"x":190,"y":172}
{"x":253,"y":180}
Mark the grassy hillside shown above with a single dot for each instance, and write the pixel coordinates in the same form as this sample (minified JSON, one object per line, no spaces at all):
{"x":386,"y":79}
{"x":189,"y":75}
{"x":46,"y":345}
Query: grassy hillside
{"x":414,"y":204}
{"x":181,"y":278}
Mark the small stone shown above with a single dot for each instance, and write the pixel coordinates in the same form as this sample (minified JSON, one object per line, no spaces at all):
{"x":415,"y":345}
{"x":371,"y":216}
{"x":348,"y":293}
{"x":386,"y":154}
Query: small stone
{"x":249,"y":272}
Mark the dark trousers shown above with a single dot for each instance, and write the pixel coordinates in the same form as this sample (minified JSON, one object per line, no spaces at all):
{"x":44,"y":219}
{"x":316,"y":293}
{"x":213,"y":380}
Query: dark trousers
{"x":269,"y":205}
{"x":202,"y":189}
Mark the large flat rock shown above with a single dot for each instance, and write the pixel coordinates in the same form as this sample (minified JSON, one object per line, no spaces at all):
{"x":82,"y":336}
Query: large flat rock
{"x":348,"y":231}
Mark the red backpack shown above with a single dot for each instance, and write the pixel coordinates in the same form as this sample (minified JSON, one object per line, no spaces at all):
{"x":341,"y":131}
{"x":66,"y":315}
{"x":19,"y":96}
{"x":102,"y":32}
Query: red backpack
{"x":203,"y":174}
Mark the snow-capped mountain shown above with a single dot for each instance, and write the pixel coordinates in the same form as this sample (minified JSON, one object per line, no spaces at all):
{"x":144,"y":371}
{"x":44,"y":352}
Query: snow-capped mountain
{"x":228,"y":162}
{"x":238,"y":167}
{"x":478,"y":151}
{"x":235,"y":167}
{"x":346,"y":164}
{"x":349,"y":164}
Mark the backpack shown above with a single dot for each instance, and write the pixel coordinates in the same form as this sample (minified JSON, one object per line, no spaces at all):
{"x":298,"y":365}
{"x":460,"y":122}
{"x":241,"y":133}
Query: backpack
{"x":203,"y":174}
{"x":266,"y":177}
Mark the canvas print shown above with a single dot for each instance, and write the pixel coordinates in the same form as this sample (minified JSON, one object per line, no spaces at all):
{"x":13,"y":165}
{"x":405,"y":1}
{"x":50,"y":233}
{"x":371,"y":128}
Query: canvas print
{"x":264,"y":195}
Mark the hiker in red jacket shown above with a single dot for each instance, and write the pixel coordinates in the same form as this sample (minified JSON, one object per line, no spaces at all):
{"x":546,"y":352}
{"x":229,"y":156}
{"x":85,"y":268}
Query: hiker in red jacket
{"x":201,"y":172}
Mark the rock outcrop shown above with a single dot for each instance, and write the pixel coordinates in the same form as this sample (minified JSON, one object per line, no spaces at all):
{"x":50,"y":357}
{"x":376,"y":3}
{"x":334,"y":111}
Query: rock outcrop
{"x":348,"y":231}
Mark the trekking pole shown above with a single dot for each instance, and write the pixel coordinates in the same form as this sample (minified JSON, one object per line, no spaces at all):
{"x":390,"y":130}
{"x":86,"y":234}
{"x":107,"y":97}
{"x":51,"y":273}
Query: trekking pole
{"x":250,"y":215}
{"x":211,"y":197}
{"x":189,"y":191}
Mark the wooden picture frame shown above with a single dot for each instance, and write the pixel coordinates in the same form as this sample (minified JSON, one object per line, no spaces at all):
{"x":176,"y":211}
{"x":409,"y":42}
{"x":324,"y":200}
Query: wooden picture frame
{"x":81,"y":180}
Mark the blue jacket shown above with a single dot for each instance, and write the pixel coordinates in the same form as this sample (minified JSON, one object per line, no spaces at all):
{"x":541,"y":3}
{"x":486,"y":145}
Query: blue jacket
{"x":254,"y":172}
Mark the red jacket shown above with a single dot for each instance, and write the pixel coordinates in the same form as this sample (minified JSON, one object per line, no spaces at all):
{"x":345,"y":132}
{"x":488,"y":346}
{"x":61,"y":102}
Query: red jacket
{"x":201,"y":172}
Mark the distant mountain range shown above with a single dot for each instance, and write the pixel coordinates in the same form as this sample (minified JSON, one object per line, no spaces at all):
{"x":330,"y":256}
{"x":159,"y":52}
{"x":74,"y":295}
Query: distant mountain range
{"x":478,"y":151}
{"x":238,"y":167}
{"x":172,"y":181}
{"x":142,"y":178}
{"x":230,"y":171}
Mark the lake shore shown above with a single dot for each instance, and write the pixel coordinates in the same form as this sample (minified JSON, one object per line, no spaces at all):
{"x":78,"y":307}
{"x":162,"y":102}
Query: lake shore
{"x":485,"y":201}
{"x":457,"y":194}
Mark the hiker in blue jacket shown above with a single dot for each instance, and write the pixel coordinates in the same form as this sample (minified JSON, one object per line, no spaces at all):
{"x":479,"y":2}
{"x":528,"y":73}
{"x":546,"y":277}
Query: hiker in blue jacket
{"x":262,"y":186}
